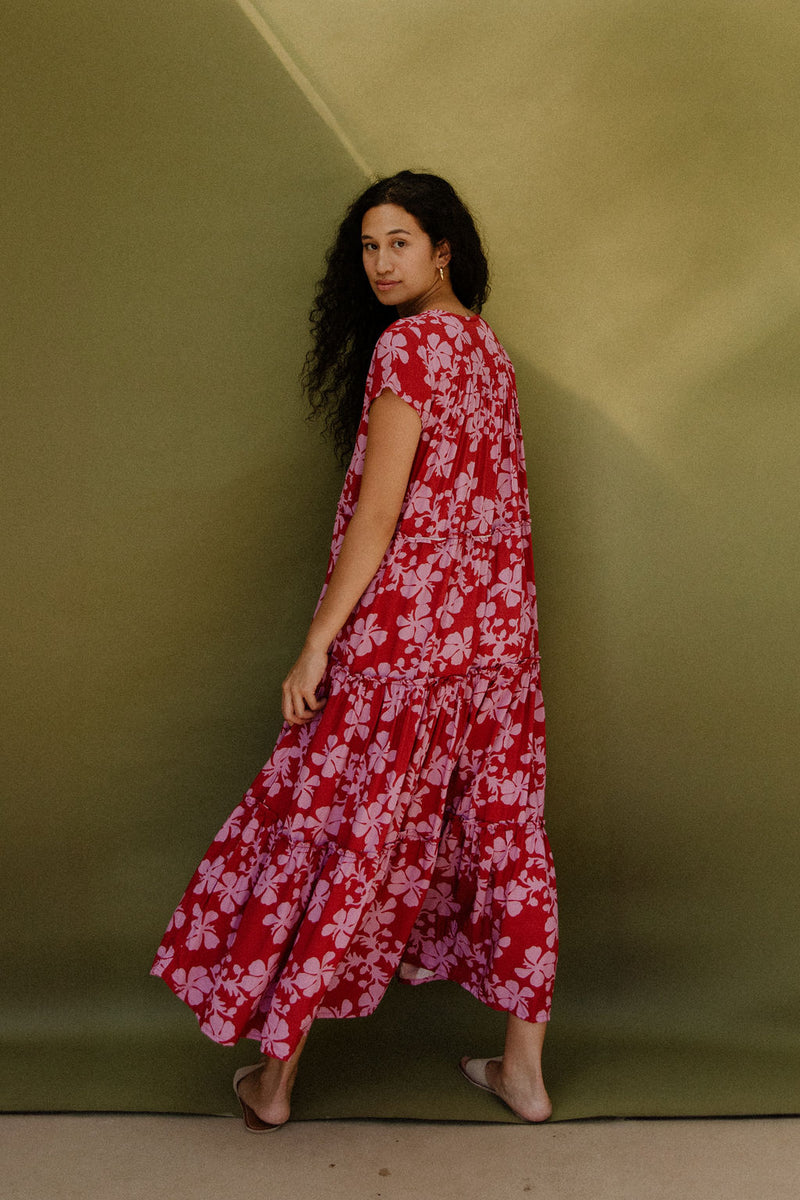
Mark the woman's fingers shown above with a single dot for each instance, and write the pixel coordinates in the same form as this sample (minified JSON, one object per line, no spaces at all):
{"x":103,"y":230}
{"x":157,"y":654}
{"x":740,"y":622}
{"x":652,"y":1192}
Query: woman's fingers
{"x":299,"y":701}
{"x":304,"y":709}
{"x":299,"y":713}
{"x":299,"y":707}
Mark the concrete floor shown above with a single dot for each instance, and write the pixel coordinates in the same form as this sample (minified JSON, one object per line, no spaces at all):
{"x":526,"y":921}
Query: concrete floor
{"x":121,"y":1157}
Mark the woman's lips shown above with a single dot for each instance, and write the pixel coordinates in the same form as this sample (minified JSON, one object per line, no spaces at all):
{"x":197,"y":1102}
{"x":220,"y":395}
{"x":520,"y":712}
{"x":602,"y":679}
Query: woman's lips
{"x":383,"y":285}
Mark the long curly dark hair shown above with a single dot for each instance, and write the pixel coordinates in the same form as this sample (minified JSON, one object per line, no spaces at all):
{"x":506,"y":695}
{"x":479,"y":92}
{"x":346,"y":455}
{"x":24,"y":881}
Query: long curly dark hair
{"x":347,"y":318}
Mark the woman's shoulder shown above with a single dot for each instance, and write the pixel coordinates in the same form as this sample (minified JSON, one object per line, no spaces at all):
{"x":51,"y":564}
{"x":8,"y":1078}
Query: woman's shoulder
{"x":469,"y":334}
{"x":443,"y":335}
{"x":439,"y":320}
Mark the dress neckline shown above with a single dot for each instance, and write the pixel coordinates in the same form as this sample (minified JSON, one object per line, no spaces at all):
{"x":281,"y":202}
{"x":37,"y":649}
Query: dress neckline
{"x":448,"y":312}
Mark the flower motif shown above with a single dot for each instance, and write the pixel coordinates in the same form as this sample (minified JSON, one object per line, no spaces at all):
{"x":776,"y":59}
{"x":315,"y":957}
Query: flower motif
{"x":342,"y":925}
{"x":418,"y":501}
{"x":319,"y":899}
{"x":233,"y":891}
{"x":369,"y":820}
{"x":201,"y":932}
{"x":256,"y":978}
{"x":193,"y":985}
{"x":220,"y":1029}
{"x":416,"y":627}
{"x":457,"y":645}
{"x":410,"y":884}
{"x":540,"y":965}
{"x":312,"y":976}
{"x":207,"y":873}
{"x":392,"y":346}
{"x":280,"y":921}
{"x":276,"y":1036}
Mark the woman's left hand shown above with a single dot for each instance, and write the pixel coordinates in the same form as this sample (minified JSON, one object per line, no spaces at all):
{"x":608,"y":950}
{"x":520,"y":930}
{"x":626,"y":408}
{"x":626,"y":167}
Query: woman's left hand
{"x":300,"y":703}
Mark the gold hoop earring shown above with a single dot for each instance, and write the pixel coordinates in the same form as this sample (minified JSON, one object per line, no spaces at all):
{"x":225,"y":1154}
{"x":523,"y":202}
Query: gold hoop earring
{"x":441,"y":274}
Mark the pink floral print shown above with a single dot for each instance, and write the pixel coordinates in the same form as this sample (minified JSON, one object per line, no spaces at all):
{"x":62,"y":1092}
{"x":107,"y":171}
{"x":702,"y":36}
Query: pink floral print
{"x":406,"y":820}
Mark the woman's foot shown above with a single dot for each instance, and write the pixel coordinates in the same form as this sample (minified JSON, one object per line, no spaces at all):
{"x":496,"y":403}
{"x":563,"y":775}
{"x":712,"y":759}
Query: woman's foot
{"x":265,"y":1091}
{"x":526,"y":1096}
{"x":265,"y":1104}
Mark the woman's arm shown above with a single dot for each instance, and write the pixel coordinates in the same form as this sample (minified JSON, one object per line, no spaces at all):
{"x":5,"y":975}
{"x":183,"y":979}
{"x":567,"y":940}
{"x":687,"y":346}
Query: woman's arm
{"x":392,"y":438}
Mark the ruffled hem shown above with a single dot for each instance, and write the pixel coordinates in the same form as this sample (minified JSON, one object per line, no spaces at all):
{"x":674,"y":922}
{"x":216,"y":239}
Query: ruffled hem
{"x":422,"y":828}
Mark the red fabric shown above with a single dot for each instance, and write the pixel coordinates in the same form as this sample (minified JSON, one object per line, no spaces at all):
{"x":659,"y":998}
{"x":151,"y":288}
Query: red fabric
{"x":405,"y":821}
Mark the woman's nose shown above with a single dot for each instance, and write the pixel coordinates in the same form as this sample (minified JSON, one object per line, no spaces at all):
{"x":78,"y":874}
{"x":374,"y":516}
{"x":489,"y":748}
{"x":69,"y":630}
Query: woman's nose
{"x":383,"y":265}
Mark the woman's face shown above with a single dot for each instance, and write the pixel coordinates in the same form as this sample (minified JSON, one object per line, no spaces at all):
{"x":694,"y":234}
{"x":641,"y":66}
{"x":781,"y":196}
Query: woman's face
{"x":401,"y":262}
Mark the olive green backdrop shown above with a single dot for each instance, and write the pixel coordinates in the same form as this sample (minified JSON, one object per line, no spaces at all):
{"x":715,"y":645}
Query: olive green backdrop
{"x":172,"y":173}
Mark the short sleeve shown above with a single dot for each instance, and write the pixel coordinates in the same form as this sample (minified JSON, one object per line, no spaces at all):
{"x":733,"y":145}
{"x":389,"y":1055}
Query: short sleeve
{"x":399,"y":365}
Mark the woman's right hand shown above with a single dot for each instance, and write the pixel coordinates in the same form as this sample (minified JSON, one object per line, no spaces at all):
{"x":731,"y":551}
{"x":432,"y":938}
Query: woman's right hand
{"x":299,"y":691}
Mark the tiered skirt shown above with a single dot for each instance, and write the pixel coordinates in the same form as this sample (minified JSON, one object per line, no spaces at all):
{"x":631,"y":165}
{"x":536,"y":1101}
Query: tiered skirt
{"x":403,"y":823}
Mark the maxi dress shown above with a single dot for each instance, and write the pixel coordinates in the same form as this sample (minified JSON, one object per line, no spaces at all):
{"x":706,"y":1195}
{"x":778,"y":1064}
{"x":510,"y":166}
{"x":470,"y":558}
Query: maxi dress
{"x":404,"y":822}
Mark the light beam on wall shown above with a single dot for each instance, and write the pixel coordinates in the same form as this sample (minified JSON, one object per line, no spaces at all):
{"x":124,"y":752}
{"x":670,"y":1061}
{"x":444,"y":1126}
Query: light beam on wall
{"x":304,"y":84}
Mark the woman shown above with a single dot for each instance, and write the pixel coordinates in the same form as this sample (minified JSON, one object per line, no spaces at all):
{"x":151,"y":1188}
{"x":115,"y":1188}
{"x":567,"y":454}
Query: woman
{"x":397,"y":827}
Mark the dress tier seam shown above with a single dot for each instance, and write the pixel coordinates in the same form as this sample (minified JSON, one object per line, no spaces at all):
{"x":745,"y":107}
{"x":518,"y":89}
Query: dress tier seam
{"x":423,"y":680}
{"x":532,"y":821}
{"x":467,"y":535}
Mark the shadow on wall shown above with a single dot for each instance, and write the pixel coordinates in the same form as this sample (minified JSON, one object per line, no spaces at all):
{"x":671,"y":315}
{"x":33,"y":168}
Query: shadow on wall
{"x":665,"y":617}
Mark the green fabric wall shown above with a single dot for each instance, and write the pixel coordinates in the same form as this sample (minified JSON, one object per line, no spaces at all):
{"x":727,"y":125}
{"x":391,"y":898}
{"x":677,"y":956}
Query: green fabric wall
{"x":168,"y":196}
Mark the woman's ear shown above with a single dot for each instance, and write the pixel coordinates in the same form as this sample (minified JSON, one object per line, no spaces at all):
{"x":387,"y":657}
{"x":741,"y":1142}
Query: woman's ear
{"x":443,"y":254}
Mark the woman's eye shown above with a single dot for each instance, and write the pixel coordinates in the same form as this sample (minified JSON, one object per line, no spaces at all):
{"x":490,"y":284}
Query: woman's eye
{"x":399,"y":242}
